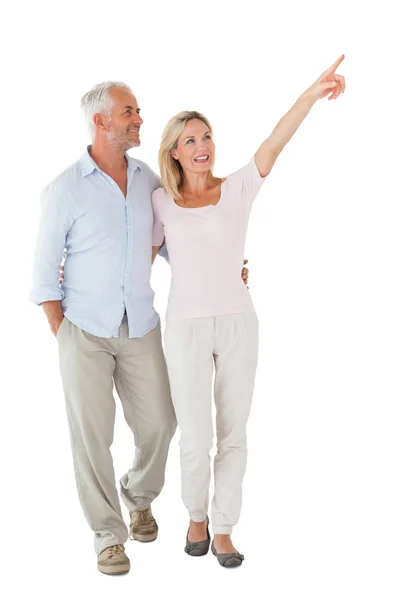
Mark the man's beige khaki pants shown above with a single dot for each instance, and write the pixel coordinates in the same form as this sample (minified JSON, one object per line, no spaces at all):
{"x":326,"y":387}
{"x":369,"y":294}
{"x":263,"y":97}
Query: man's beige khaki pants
{"x":88,"y":365}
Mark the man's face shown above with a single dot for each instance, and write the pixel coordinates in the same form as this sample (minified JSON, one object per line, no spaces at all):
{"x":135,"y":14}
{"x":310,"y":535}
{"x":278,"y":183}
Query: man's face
{"x":123,"y":125}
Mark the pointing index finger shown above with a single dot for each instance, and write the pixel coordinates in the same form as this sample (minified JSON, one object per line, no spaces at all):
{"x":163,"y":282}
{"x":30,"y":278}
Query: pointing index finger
{"x":335,"y":65}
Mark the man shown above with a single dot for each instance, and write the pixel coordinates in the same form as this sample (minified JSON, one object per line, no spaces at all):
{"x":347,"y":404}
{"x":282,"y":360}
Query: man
{"x":99,"y":210}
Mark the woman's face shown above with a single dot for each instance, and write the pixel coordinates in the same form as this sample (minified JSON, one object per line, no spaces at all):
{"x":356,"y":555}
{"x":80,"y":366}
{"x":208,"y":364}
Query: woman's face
{"x":195,"y":150}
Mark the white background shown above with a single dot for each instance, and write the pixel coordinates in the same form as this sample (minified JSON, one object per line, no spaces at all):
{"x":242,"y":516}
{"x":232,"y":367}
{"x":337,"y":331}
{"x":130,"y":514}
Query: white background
{"x":320,"y":517}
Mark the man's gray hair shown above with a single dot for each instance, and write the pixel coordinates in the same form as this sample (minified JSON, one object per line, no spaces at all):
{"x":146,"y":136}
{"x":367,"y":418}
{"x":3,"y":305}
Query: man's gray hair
{"x":99,"y":100}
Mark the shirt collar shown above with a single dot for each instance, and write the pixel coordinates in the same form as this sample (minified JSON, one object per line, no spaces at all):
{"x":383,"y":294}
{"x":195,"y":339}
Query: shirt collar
{"x":88,"y":165}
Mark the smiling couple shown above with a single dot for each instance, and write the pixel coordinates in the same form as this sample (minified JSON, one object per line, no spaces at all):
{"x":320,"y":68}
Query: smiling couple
{"x":112,"y":215}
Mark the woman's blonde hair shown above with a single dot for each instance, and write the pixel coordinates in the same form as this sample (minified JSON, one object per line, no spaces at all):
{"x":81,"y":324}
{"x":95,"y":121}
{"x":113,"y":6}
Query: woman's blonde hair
{"x":170,"y":169}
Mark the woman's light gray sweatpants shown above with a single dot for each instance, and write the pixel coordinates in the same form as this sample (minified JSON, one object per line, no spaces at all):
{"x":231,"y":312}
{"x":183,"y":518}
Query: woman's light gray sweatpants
{"x":192,"y":348}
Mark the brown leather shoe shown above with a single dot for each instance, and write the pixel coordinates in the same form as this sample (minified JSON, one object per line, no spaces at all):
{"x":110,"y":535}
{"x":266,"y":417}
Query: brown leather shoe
{"x":143,"y":526}
{"x":113,"y":561}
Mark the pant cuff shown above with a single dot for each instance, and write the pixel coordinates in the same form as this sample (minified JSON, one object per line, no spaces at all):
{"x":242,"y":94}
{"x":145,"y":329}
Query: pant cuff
{"x":107,"y":542}
{"x":222,"y":529}
{"x":197,"y":517}
{"x":145,"y":507}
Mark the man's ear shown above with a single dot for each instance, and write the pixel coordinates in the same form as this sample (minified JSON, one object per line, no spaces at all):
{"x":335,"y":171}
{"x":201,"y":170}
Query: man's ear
{"x":100,"y":121}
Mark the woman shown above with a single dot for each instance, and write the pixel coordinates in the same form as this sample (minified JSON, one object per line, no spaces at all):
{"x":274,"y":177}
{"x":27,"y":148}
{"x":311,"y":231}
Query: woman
{"x":211,"y":321}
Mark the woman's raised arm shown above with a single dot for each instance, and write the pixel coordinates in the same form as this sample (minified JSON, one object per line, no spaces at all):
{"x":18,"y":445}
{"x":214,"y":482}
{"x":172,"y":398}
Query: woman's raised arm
{"x":327,"y":83}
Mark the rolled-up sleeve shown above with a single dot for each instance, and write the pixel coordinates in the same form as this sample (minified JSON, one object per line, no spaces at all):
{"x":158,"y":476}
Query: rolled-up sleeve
{"x":55,"y":222}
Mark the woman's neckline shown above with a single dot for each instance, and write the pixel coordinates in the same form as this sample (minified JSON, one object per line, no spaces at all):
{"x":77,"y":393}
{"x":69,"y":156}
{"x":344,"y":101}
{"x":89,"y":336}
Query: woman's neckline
{"x":205,"y":205}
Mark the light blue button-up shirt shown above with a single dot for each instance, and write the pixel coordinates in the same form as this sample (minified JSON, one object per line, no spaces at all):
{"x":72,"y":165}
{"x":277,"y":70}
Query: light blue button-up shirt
{"x":108,"y":242}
